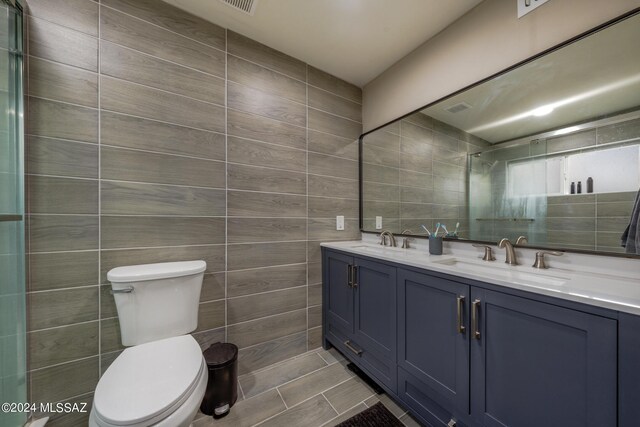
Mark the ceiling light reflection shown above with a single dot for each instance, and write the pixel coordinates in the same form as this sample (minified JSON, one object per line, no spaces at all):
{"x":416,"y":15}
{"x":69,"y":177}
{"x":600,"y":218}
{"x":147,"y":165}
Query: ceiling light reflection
{"x":570,"y":100}
{"x":542,"y":111}
{"x":566,"y":130}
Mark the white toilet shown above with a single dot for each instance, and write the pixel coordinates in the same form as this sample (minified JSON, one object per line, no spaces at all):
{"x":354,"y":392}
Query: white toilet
{"x":161,"y":378}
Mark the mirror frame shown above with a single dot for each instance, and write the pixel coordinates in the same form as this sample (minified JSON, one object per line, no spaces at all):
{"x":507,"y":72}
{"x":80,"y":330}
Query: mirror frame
{"x":635,"y":11}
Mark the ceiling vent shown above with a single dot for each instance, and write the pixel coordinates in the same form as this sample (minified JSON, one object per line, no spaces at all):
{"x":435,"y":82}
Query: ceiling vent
{"x":246,"y":6}
{"x":458,"y":107}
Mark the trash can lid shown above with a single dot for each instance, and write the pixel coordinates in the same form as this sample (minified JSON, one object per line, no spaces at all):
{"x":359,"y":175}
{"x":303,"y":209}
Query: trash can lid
{"x":220,"y":354}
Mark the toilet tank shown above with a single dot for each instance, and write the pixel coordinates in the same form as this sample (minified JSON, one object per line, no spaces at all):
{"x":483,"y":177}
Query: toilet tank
{"x":157,"y":301}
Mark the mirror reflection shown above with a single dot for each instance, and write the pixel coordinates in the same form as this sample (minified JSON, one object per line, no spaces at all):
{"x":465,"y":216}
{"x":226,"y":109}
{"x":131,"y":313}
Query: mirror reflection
{"x":549,"y":151}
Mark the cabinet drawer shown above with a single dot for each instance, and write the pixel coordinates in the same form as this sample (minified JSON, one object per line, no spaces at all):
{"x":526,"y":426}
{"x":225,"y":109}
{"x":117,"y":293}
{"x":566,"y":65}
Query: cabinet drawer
{"x":414,"y":393}
{"x":337,"y":335}
{"x":382,"y":370}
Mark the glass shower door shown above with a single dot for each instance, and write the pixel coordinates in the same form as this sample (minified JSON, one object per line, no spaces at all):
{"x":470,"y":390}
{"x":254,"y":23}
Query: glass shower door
{"x":13,"y":385}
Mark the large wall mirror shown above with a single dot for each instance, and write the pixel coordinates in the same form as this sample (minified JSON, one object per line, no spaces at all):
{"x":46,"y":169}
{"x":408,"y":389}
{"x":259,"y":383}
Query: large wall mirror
{"x":549,"y":150}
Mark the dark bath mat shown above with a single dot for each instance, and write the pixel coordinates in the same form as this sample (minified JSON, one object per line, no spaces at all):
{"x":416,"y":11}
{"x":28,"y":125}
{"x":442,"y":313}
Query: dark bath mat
{"x":376,"y":416}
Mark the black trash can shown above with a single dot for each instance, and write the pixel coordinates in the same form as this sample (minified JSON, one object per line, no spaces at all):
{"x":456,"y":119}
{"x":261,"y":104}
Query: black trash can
{"x":222,"y":387}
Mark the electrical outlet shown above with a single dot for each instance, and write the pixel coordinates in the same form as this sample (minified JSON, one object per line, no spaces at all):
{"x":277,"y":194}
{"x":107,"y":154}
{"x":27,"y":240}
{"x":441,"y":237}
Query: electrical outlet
{"x":340,"y":222}
{"x":378,"y":223}
{"x":526,"y":6}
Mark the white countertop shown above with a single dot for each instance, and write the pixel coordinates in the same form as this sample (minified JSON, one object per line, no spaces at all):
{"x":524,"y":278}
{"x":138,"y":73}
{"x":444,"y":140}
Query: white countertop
{"x":601,"y":281}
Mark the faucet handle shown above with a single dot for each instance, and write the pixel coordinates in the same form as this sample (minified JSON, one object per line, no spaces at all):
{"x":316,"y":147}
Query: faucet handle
{"x":539,"y":262}
{"x":488,"y":254}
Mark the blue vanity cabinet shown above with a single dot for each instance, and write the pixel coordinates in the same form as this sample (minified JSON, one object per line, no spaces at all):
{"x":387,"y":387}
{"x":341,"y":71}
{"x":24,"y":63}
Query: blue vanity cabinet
{"x":459,"y":352}
{"x":360,"y":313}
{"x":338,"y":294}
{"x":535,"y":364}
{"x":433,"y":343}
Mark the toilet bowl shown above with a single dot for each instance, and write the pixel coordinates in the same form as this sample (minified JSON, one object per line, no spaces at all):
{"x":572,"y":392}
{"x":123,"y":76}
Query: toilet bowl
{"x":161,"y":378}
{"x":161,"y":383}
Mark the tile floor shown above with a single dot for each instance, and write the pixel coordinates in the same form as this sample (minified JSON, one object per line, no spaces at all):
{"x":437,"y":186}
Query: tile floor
{"x":311,"y":390}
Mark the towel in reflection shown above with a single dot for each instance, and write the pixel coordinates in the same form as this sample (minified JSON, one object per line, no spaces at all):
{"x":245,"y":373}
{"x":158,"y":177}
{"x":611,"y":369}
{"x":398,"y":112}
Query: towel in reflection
{"x":631,"y":236}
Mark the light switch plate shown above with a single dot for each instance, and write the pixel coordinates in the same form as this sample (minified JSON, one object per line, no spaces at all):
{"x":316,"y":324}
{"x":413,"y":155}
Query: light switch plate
{"x":378,"y":223}
{"x":340,"y":222}
{"x":526,"y":6}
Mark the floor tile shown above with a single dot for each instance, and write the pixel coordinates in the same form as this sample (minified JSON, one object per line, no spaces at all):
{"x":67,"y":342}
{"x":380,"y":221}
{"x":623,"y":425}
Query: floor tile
{"x":248,"y":412}
{"x":348,"y":394}
{"x":345,"y":416}
{"x":331,"y":356}
{"x":258,"y":382}
{"x":313,"y":412}
{"x":314,"y":383}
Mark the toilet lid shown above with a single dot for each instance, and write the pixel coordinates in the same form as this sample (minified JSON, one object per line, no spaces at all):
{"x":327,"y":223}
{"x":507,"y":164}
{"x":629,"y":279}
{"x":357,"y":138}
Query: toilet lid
{"x":148,"y":380}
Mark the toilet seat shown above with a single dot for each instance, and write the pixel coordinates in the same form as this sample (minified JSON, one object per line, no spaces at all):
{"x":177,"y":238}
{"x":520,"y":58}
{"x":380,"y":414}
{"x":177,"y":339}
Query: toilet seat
{"x":148,"y":382}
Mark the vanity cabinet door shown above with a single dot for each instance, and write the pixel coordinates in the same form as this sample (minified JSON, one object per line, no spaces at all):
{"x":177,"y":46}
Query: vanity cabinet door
{"x":433,"y":339}
{"x":338,"y":292}
{"x":628,"y":372}
{"x":375,"y":319}
{"x":535,"y":364}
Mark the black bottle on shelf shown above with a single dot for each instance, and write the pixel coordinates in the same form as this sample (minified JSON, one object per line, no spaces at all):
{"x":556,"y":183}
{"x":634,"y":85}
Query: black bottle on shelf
{"x":579,"y":187}
{"x":589,"y":185}
{"x":573,"y":188}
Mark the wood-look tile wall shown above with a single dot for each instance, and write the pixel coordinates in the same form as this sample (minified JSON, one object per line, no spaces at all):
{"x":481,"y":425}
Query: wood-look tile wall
{"x":414,"y":172}
{"x":155,"y":136}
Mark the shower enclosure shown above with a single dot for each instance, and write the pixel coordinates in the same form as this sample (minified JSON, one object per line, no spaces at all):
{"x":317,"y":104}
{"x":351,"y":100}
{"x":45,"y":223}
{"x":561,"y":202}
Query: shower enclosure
{"x":13,"y":382}
{"x":508,"y":193}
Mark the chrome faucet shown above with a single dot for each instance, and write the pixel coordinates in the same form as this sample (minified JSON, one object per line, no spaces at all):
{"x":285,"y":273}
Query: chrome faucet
{"x":511,"y":254}
{"x":383,"y":238}
{"x":522,"y":240}
{"x":405,"y":240}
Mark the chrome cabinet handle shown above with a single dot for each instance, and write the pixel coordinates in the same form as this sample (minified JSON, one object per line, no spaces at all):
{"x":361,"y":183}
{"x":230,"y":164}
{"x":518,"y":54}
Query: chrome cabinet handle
{"x":354,"y":280}
{"x":122,"y":291}
{"x":475,"y":307}
{"x":352,"y":348}
{"x":349,"y":275}
{"x":460,"y":321}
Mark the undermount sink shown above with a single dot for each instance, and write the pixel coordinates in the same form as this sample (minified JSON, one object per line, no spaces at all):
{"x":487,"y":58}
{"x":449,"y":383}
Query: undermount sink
{"x":371,"y":248}
{"x":504,"y":271}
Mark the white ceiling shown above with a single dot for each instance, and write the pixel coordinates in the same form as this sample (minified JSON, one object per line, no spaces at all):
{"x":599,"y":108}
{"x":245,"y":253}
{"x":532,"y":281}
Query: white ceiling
{"x":355,"y":40}
{"x":596,"y":76}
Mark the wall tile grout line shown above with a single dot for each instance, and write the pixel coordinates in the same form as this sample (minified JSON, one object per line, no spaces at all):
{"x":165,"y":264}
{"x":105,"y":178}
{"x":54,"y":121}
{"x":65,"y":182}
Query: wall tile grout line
{"x":27,"y":207}
{"x":163,"y":28}
{"x":31,"y":16}
{"x":226,"y":184}
{"x":306,"y":69}
{"x":164,"y":60}
{"x":107,"y":76}
{"x":99,"y":197}
{"x":291,"y":77}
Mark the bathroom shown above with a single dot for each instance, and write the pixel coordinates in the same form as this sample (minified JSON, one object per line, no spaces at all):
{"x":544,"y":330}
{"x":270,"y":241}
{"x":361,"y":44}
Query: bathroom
{"x":276,"y":150}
